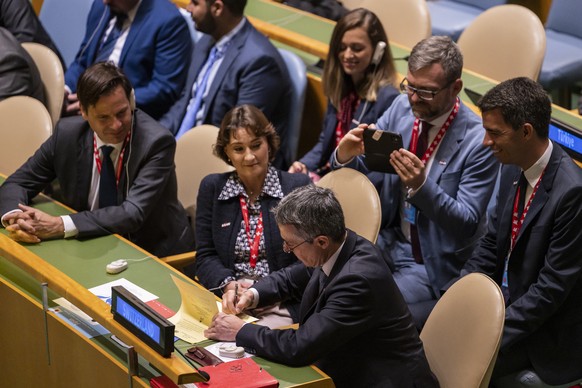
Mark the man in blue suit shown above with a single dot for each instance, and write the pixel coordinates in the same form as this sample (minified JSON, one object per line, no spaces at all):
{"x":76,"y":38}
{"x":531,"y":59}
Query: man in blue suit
{"x":434,"y":206}
{"x":148,"y":39}
{"x":233,"y":64}
{"x":532,"y":248}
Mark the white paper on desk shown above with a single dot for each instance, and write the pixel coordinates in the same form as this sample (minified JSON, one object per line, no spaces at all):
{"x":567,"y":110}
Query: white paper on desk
{"x":197,"y":308}
{"x":104,"y":291}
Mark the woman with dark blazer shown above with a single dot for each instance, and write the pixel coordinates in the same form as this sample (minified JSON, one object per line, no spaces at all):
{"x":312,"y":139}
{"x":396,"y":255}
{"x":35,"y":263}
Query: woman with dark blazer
{"x":358,"y":79}
{"x":230,"y":255}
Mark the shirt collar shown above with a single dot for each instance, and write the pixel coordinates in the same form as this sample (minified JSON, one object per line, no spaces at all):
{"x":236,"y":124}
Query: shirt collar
{"x":100,"y":143}
{"x":223,"y":42}
{"x":439,"y":121}
{"x":234,"y":187}
{"x":328,"y":265}
{"x":534,"y":173}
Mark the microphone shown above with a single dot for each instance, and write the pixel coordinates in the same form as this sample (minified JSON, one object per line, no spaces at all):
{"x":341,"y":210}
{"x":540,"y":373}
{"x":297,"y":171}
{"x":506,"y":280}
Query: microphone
{"x":202,"y":373}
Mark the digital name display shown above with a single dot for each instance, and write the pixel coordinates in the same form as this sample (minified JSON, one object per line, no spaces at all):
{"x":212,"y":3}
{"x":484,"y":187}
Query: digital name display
{"x":141,"y":320}
{"x":568,"y":137}
{"x":138,"y":320}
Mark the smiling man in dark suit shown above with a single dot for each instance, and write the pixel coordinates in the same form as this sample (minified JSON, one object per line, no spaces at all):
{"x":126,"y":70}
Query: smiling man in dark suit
{"x":533,"y":247}
{"x":354,"y":323}
{"x":132,"y":191}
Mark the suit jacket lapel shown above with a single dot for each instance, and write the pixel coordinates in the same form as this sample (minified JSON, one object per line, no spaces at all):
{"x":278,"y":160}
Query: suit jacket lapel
{"x":449,"y":146}
{"x":95,"y":43}
{"x":232,"y":52}
{"x":136,"y":25}
{"x":311,"y":296}
{"x":84,"y":168}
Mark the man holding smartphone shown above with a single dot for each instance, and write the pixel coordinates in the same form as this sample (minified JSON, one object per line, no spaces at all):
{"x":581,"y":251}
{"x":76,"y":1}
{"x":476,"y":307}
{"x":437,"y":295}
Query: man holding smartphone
{"x":434,"y":206}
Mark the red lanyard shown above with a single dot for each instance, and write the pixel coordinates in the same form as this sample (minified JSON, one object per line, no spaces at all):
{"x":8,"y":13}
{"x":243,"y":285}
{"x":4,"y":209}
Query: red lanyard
{"x":515,"y":222}
{"x":430,"y":149}
{"x":253,"y":243}
{"x":98,"y":161}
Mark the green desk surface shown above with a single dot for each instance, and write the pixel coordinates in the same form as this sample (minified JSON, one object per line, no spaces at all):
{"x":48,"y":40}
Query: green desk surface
{"x":85,"y":261}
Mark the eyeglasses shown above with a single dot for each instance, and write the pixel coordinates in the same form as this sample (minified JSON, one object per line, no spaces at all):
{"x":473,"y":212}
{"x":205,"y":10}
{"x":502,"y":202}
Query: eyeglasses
{"x":423,"y":94}
{"x":288,"y":248}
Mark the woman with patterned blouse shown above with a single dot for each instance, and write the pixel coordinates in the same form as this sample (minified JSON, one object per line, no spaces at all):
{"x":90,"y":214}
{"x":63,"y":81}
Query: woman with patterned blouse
{"x":237,"y":239}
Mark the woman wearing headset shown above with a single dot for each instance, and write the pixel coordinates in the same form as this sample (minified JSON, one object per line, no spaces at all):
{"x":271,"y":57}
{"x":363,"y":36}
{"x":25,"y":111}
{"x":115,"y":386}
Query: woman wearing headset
{"x":358,"y":79}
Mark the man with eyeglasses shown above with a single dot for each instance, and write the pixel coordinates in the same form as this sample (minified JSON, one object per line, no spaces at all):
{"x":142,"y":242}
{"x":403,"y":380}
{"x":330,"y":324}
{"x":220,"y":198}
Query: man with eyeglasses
{"x":434,"y":206}
{"x":345,"y":329}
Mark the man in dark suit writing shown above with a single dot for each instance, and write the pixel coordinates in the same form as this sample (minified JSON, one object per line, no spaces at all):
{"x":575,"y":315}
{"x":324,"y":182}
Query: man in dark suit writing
{"x":115,"y":166}
{"x":354,"y":323}
{"x":533,"y":247}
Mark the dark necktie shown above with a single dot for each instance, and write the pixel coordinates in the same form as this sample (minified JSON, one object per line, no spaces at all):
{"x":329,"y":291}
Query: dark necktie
{"x":107,"y":184}
{"x":108,"y":44}
{"x":312,"y":292}
{"x":421,"y":147}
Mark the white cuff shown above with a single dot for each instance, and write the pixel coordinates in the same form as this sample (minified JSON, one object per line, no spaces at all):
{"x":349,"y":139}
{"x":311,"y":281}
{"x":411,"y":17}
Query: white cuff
{"x":255,"y":298}
{"x":336,"y":163}
{"x":70,"y":228}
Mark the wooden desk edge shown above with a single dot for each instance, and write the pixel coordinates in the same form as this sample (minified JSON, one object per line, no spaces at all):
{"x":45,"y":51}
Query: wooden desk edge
{"x":175,"y":368}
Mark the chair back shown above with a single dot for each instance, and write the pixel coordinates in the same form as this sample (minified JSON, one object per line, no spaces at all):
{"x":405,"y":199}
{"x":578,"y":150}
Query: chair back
{"x":65,"y":21}
{"x":359,"y":200}
{"x":194,"y":160}
{"x":25,"y":125}
{"x":52,"y":76}
{"x":564,"y":17}
{"x":504,"y":42}
{"x":483,"y":4}
{"x":298,"y":75}
{"x":406,"y":22}
{"x":463,"y":333}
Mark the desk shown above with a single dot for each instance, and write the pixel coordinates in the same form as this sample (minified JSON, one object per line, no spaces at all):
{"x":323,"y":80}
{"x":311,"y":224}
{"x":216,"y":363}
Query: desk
{"x":71,"y":267}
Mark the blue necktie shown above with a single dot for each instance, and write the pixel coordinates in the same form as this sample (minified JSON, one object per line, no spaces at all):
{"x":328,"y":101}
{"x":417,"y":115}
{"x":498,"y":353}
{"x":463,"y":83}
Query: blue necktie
{"x":107,"y":184}
{"x":196,"y":103}
{"x":108,"y":44}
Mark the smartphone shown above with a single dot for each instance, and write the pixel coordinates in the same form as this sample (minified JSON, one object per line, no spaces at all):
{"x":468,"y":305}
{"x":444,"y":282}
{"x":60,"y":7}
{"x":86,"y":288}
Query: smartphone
{"x":378,"y":146}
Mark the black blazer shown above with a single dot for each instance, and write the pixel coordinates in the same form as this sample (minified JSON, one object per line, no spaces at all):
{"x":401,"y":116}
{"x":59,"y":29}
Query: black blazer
{"x":359,"y":330}
{"x":545,"y":269}
{"x":149,"y":213}
{"x":218,"y":224}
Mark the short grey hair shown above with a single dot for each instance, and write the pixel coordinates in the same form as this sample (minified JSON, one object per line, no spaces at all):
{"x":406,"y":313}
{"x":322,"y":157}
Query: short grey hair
{"x":313,"y":211}
{"x":437,"y":49}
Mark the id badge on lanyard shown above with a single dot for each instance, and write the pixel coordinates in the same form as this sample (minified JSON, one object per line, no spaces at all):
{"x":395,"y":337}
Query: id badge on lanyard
{"x":409,"y":213}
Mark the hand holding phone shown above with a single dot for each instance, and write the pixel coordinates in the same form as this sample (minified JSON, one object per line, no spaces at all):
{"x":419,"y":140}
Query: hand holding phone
{"x":378,"y":146}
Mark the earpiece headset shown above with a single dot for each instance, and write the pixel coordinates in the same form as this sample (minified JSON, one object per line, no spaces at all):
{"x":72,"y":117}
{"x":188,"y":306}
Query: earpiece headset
{"x":132,"y":100}
{"x":376,"y":59}
{"x":378,"y":53}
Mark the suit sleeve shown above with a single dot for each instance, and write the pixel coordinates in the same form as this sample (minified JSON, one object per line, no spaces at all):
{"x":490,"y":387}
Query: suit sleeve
{"x":18,"y":17}
{"x":210,"y":268}
{"x":172,"y":57}
{"x":30,"y":179}
{"x":260,"y":84}
{"x":15,"y":76}
{"x":348,"y":312}
{"x":145,"y":191}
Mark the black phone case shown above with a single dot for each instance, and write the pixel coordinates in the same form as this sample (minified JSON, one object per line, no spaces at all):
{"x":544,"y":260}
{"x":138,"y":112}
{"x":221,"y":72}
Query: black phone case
{"x":378,"y":146}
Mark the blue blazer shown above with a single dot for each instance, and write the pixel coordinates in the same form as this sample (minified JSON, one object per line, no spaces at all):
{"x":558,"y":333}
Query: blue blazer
{"x":251,"y":72}
{"x":358,"y":330}
{"x":544,"y":317}
{"x":453,"y":200}
{"x":319,"y":155}
{"x":155,"y":56}
{"x":218,"y":224}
